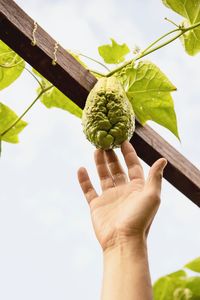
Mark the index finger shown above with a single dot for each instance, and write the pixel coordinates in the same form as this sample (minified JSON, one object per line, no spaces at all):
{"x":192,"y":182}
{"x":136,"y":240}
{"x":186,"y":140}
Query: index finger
{"x":135,"y":170}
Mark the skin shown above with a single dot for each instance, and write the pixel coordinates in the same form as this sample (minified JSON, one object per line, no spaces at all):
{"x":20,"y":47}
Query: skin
{"x":122,"y":216}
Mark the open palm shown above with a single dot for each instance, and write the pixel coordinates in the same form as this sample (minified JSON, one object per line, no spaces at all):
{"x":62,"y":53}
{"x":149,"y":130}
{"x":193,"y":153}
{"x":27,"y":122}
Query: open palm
{"x":127,"y":204}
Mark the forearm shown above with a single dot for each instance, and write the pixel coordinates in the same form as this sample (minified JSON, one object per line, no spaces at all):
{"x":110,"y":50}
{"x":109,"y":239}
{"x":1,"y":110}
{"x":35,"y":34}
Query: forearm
{"x":126,"y":272}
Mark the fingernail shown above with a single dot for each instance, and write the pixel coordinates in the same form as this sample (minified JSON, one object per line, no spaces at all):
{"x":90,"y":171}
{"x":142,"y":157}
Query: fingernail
{"x":164,"y":163}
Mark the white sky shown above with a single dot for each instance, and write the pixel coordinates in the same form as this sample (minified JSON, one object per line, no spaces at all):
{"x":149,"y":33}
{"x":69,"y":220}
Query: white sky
{"x":48,"y":249}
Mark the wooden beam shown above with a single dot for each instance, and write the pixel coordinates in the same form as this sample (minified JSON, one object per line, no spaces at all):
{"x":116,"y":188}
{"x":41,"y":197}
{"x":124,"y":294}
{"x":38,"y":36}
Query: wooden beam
{"x":180,"y":172}
{"x":16,"y":29}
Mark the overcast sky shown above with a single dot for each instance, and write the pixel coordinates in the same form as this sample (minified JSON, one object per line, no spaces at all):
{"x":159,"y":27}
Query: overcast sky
{"x":48,"y":249}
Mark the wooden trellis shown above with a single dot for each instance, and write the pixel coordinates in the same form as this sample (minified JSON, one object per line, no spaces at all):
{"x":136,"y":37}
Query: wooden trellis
{"x":71,"y":78}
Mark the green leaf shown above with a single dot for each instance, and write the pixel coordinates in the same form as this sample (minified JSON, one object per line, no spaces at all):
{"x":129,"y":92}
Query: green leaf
{"x":11,"y":66}
{"x":193,"y":283}
{"x":190,"y":10}
{"x":164,"y":288}
{"x":186,"y":8}
{"x":178,"y":274}
{"x":54,"y":98}
{"x":182,"y":294}
{"x":7,"y":118}
{"x":176,"y":5}
{"x":113,"y":54}
{"x":178,"y":286}
{"x":148,"y":90}
{"x":194,"y":265}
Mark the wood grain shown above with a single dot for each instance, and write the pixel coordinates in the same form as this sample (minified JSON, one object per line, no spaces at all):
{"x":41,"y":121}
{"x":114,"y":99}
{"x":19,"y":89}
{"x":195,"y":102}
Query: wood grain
{"x":75,"y":81}
{"x":16,"y":29}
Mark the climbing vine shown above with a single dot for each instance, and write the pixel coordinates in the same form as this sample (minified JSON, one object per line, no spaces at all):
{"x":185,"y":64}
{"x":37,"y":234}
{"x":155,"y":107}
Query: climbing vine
{"x":146,"y":86}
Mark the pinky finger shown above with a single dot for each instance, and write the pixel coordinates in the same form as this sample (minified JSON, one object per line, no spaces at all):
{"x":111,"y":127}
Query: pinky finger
{"x":86,"y":185}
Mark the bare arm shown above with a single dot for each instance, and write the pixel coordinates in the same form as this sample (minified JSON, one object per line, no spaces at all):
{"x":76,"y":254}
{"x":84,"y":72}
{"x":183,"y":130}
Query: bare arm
{"x":122,"y":216}
{"x":126,"y":273}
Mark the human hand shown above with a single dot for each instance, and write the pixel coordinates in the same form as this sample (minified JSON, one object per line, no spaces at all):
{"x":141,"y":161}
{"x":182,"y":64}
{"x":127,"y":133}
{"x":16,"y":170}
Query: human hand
{"x":126,"y":208}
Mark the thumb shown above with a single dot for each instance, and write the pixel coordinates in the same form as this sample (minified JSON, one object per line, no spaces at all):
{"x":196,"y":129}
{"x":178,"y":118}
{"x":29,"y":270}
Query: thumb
{"x":154,"y":179}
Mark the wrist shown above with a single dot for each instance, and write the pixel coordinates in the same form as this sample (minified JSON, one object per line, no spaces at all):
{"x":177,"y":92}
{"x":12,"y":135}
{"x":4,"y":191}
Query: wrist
{"x":126,"y":270}
{"x":123,"y":245}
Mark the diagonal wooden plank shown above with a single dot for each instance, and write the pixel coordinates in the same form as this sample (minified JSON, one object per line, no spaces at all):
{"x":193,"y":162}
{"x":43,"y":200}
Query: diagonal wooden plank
{"x":180,"y":172}
{"x":73,"y":80}
{"x":16,"y":29}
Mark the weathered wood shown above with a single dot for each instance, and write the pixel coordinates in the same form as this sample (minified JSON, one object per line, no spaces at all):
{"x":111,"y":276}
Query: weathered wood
{"x":73,"y":80}
{"x":180,"y":172}
{"x":16,"y":29}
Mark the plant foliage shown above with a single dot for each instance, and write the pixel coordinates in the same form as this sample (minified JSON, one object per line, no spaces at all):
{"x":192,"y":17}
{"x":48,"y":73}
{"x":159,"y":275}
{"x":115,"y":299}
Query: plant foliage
{"x":190,"y":10}
{"x":147,"y":87}
{"x":178,"y":285}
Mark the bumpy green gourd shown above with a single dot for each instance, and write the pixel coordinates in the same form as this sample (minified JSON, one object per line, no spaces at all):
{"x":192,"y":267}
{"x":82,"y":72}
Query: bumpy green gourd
{"x":108,"y":118}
